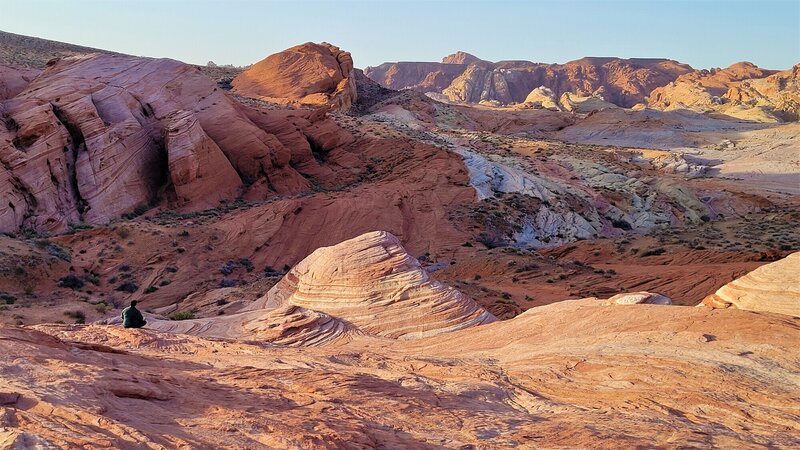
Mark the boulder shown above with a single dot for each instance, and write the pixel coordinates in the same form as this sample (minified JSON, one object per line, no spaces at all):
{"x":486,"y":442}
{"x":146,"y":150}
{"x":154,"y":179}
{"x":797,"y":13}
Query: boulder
{"x":310,"y":74}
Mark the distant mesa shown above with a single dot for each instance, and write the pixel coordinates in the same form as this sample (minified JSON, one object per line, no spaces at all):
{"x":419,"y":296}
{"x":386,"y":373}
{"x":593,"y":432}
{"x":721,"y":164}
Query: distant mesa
{"x":774,"y":287}
{"x":464,"y":78}
{"x":310,"y":74}
{"x":372,"y":283}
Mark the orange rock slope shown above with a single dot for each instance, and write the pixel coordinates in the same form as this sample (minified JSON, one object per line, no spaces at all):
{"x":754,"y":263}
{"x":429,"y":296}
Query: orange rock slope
{"x":573,"y":374}
{"x":311,"y":74}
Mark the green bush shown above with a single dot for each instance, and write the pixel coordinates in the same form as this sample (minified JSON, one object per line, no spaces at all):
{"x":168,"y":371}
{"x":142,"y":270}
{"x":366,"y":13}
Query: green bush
{"x":181,"y":315}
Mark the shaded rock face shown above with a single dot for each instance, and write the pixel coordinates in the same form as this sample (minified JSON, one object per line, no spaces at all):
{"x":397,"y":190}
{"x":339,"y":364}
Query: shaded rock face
{"x":774,"y":287}
{"x":742,"y":90}
{"x":462,"y":79}
{"x":311,"y":74}
{"x":371,"y":282}
{"x":97,"y":136}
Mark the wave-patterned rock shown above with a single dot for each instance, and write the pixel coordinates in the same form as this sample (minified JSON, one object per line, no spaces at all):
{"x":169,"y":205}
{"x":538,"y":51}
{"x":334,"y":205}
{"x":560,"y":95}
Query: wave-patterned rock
{"x":371,"y":282}
{"x":774,"y":287}
{"x":288,"y":325}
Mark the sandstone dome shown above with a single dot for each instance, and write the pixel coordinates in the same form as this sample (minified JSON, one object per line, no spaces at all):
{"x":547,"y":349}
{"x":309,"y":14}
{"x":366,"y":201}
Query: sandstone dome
{"x":311,"y":74}
{"x":371,"y":282}
{"x":774,"y":287}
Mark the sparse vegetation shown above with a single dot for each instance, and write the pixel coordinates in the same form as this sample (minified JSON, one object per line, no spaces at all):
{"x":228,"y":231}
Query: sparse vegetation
{"x":181,"y":315}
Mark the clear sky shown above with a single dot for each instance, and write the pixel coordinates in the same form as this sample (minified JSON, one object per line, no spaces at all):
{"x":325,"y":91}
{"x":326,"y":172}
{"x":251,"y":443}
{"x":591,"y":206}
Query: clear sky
{"x":702,"y":33}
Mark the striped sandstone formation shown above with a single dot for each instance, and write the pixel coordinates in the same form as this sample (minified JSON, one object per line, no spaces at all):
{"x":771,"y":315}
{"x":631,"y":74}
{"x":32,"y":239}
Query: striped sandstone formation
{"x":773,"y":287}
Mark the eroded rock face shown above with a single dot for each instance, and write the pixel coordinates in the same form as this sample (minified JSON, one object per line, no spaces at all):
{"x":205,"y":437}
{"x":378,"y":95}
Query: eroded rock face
{"x":622,"y":82}
{"x":774,"y":287}
{"x":96,"y":136}
{"x":371,"y":282}
{"x":311,"y":74}
{"x":742,"y":90}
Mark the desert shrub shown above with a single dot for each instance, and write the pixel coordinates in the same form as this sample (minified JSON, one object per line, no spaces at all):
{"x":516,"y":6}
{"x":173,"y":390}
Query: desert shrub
{"x":181,"y":315}
{"x":184,"y":233}
{"x":165,"y":282}
{"x":171,"y":269}
{"x":227,"y":268}
{"x":71,"y":281}
{"x":490,"y":241}
{"x":227,"y":282}
{"x":125,"y":268}
{"x":92,"y":278}
{"x":78,"y":315}
{"x":621,"y":224}
{"x":247,"y":264}
{"x":222,"y":302}
{"x":150,"y":289}
{"x":129,"y":286}
{"x":653,"y":252}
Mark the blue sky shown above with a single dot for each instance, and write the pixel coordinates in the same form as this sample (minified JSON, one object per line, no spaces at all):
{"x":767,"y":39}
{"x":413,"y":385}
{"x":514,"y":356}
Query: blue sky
{"x":702,"y":33}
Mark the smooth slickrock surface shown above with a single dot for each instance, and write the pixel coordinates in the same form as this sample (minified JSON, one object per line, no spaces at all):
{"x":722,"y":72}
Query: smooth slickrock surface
{"x":636,"y":298}
{"x":371,"y":282}
{"x":574,"y":374}
{"x":774,"y":287}
{"x":311,"y":74}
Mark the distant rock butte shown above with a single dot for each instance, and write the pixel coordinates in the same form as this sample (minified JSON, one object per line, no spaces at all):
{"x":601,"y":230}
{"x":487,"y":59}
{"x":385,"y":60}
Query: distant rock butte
{"x":310,"y":74}
{"x":774,"y":287}
{"x":371,"y":282}
{"x":463,"y":78}
{"x":460,"y":58}
{"x":742,"y":90}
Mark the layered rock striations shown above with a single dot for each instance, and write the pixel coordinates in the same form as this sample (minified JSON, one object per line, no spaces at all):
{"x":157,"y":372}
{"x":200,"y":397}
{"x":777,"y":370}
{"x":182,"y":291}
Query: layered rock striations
{"x":372,"y":283}
{"x":310,"y":74}
{"x":774,"y":287}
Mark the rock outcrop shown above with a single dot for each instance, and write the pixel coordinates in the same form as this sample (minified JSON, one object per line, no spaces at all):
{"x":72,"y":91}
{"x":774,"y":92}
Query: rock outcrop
{"x":774,"y":287}
{"x":371,"y":282}
{"x":742,"y":90}
{"x":638,"y":298}
{"x":310,"y":74}
{"x":573,"y":374}
{"x":97,"y":136}
{"x":463,"y":78}
{"x":288,"y":325}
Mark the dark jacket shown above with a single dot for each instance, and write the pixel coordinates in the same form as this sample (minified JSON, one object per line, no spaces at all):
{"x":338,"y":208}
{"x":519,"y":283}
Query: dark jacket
{"x":132,"y":318}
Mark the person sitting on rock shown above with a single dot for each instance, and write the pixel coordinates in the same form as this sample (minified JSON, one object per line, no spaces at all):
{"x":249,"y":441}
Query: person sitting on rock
{"x":131,"y":317}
